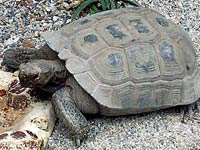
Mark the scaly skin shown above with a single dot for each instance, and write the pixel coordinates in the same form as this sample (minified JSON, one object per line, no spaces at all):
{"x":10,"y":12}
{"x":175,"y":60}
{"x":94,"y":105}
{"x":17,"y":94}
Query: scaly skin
{"x":15,"y":56}
{"x":41,"y":71}
{"x":70,"y":115}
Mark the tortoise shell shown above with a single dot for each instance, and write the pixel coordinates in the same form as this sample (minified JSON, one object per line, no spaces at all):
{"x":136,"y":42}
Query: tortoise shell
{"x":131,"y":58}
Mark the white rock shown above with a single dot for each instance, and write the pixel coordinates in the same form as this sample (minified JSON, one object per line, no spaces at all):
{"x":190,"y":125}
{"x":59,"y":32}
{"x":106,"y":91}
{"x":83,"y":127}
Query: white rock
{"x":65,"y":4}
{"x":1,"y":47}
{"x":5,"y":79}
{"x":1,"y":1}
{"x":28,"y":128}
{"x":58,"y":24}
{"x":12,"y":40}
{"x":55,"y":18}
{"x":39,"y":137}
{"x":48,"y":9}
{"x":68,"y":21}
{"x":180,"y":4}
{"x":36,"y":34}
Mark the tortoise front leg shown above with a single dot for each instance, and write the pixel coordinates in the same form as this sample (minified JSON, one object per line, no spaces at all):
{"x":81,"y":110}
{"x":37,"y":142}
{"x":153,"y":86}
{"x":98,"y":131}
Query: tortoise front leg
{"x":15,"y":56}
{"x":70,"y":115}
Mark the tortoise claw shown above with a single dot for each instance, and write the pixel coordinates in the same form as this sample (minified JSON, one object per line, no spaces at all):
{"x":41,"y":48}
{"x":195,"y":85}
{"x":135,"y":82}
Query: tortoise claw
{"x":190,"y":111}
{"x":196,"y":118}
{"x":79,"y":137}
{"x":198,"y":106}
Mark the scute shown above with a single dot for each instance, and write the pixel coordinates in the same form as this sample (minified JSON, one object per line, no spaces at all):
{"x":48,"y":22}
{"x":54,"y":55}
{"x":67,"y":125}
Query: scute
{"x":130,"y":60}
{"x":114,"y":32}
{"x":110,"y":66}
{"x":143,"y":63}
{"x":189,"y":56}
{"x":87,"y":42}
{"x":139,"y":27}
{"x":170,"y":59}
{"x":161,"y":23}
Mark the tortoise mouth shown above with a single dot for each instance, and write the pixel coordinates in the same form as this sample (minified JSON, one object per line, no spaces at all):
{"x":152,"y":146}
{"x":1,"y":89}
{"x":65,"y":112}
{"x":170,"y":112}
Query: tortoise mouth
{"x":29,"y":80}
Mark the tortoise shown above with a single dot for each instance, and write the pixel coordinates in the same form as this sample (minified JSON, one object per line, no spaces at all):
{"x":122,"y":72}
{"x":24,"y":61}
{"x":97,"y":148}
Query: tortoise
{"x":117,"y":62}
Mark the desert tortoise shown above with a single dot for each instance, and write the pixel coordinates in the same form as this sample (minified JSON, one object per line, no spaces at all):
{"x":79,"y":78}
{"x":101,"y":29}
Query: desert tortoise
{"x":120,"y":62}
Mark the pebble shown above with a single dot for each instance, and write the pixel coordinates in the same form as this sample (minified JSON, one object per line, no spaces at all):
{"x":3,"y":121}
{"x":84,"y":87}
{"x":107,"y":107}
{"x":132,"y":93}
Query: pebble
{"x":12,"y":40}
{"x":27,"y":19}
{"x":28,"y":44}
{"x":133,"y":130}
{"x":58,"y":24}
{"x":1,"y":47}
{"x":55,"y":18}
{"x":65,"y":4}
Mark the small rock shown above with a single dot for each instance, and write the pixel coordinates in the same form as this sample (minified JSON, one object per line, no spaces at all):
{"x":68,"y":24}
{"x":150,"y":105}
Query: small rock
{"x":133,"y":130}
{"x":65,"y":4}
{"x":36,"y":120}
{"x":55,"y":18}
{"x":1,"y":1}
{"x":60,"y":7}
{"x":48,"y":9}
{"x":31,"y":16}
{"x":36,"y":34}
{"x":12,"y":40}
{"x":5,"y":36}
{"x":58,"y":24}
{"x":28,"y":44}
{"x":1,"y":47}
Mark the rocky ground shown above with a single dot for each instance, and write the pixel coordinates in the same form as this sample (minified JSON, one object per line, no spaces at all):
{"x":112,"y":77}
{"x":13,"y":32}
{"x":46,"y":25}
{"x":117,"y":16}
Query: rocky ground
{"x":21,"y":23}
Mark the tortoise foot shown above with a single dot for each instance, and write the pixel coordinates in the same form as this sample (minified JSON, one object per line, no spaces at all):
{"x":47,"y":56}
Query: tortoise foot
{"x":191,"y":112}
{"x":79,"y":137}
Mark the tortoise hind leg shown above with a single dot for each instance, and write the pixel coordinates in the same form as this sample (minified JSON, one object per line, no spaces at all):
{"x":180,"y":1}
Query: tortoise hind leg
{"x":70,"y":115}
{"x":190,"y":109}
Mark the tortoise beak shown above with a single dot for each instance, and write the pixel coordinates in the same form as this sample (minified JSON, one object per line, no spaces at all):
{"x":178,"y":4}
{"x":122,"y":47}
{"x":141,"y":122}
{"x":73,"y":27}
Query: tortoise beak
{"x":28,"y":78}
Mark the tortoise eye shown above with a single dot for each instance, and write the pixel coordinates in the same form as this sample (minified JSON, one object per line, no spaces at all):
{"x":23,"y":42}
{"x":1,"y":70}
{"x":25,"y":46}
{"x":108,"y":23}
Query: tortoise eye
{"x":34,"y":77}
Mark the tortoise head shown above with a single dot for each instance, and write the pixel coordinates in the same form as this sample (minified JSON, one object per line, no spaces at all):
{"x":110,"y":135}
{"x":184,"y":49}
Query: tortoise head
{"x":34,"y":73}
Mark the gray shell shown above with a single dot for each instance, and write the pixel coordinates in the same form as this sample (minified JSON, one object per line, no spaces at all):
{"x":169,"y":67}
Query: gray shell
{"x":130,"y":58}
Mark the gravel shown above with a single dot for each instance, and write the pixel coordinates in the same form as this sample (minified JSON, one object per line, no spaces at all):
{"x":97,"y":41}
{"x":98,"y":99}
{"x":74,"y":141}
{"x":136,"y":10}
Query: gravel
{"x":23,"y":22}
{"x":156,"y":130}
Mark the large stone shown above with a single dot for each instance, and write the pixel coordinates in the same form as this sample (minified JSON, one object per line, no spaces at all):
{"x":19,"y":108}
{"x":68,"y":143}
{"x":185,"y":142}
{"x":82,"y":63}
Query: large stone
{"x":24,"y":123}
